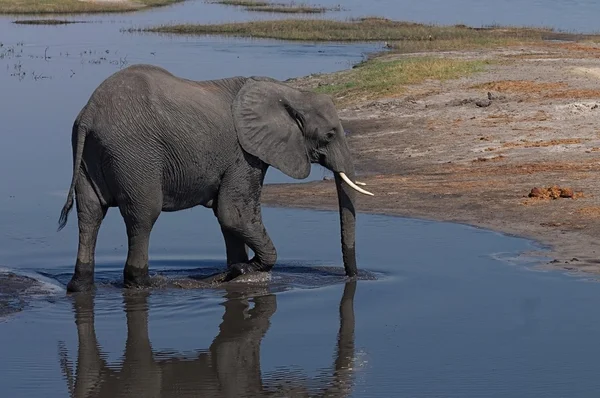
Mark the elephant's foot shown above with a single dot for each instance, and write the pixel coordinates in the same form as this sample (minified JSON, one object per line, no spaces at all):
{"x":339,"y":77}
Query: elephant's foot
{"x":234,"y":271}
{"x":243,"y":269}
{"x":82,"y":281}
{"x":134,"y":277}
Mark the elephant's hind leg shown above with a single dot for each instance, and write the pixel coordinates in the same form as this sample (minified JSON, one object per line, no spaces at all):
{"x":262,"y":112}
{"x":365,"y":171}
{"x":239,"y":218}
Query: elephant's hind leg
{"x":139,"y":220}
{"x":90,"y":213}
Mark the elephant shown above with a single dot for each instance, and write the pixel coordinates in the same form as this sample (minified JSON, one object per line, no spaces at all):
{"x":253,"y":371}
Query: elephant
{"x":149,"y":142}
{"x":229,"y":368}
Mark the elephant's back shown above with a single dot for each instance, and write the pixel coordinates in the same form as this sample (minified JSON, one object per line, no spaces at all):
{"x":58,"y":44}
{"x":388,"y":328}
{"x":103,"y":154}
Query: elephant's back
{"x":150,"y":96}
{"x":128,"y":88}
{"x":177,"y":132}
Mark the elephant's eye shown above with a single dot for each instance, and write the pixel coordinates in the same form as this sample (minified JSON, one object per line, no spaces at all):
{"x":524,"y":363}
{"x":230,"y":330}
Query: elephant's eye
{"x":330,"y":134}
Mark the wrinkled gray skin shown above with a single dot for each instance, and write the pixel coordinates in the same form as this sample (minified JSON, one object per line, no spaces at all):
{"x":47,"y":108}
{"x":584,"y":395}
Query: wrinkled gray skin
{"x":148,"y":141}
{"x":229,"y":368}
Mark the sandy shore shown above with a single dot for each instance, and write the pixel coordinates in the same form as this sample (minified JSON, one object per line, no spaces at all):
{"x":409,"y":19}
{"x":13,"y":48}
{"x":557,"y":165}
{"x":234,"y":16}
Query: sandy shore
{"x":471,"y":150}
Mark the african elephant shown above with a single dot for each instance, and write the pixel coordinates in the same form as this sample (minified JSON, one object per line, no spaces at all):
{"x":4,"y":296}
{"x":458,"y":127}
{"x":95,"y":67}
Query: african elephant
{"x":148,"y":141}
{"x":230,"y":367}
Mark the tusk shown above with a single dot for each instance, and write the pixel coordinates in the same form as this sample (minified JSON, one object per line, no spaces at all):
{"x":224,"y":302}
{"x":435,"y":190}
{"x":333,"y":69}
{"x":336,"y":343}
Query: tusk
{"x":353,"y":185}
{"x":360,"y":183}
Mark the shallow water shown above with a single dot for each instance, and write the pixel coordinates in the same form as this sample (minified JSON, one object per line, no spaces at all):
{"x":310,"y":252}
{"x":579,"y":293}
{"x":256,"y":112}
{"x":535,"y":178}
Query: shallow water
{"x":444,"y":310}
{"x":441,"y":309}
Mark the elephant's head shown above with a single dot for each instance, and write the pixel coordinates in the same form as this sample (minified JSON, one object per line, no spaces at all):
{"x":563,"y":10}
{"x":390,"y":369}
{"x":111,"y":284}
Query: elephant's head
{"x":289,"y":129}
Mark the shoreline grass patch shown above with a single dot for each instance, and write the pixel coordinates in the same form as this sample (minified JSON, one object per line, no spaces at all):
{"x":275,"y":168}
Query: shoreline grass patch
{"x":377,"y":78}
{"x":400,"y":35}
{"x":77,"y":6}
{"x":267,"y":6}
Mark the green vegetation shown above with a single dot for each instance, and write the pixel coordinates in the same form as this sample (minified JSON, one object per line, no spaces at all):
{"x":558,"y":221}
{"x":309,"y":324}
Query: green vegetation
{"x":266,"y":6}
{"x":76,"y":6}
{"x":380,"y":78}
{"x":365,"y":29}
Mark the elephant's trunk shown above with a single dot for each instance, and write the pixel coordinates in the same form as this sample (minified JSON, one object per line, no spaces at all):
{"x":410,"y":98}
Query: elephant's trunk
{"x":346,"y":198}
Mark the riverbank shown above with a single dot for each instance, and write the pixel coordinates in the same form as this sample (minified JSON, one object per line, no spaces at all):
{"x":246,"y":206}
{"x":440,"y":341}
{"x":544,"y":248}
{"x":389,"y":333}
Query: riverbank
{"x":78,"y":6}
{"x":471,"y":150}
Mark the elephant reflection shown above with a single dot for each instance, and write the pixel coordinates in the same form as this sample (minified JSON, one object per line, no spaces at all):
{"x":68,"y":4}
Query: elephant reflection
{"x":229,"y":368}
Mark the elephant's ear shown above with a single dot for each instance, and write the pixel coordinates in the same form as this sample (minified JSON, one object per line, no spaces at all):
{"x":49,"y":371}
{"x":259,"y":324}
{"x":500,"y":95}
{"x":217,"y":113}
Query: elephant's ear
{"x":268,"y":125}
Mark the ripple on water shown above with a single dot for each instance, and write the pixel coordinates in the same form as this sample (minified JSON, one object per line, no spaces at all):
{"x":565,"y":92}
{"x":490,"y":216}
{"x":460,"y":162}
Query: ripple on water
{"x":287,"y":276}
{"x":176,"y":292}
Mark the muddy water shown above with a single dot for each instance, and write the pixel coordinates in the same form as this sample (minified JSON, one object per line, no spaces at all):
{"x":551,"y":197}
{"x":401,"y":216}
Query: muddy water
{"x":440,"y":309}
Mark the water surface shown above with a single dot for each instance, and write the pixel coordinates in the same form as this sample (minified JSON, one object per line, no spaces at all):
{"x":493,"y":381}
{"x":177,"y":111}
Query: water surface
{"x":570,"y":15}
{"x":441,"y":310}
{"x":445,"y":310}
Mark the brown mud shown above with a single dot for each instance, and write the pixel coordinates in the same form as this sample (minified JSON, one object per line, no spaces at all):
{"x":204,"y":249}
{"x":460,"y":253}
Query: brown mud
{"x":472,"y":150}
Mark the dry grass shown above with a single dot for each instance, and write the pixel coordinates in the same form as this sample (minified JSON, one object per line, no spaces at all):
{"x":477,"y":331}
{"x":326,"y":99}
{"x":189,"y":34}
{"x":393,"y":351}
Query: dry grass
{"x":377,"y":78}
{"x":76,"y":6}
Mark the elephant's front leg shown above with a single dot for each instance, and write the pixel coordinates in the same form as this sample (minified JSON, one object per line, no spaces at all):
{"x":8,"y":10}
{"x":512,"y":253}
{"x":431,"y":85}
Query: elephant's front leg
{"x":249,"y":229}
{"x":237,"y":251}
{"x":239,"y":214}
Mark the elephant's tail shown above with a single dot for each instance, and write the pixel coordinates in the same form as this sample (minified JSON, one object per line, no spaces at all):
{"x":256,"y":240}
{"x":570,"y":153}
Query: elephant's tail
{"x":78,"y":142}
